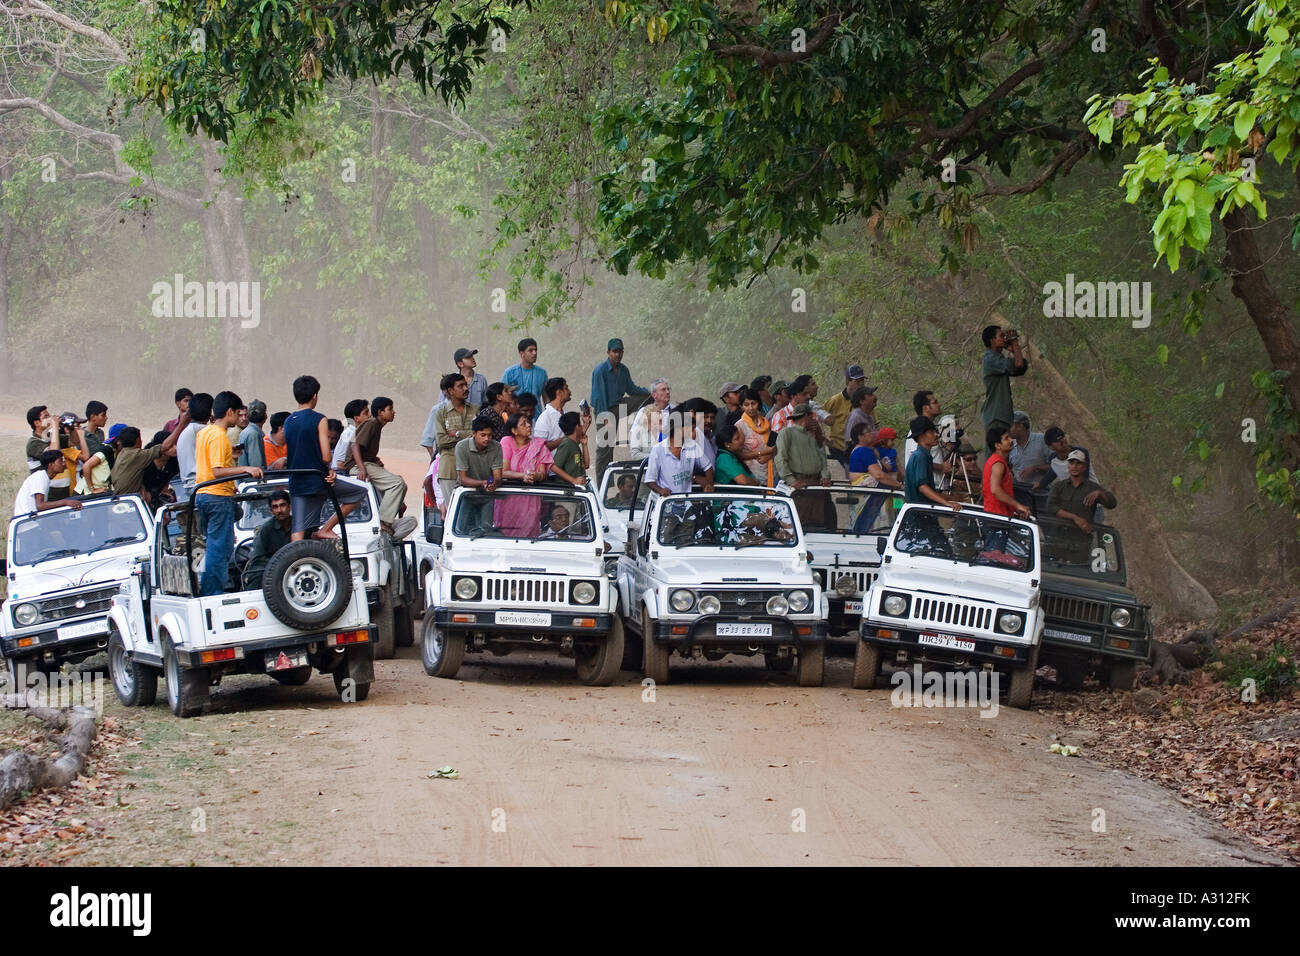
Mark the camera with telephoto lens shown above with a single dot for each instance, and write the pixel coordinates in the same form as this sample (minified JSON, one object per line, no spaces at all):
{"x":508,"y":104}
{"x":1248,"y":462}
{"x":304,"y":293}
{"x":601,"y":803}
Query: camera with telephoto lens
{"x":1010,"y":335}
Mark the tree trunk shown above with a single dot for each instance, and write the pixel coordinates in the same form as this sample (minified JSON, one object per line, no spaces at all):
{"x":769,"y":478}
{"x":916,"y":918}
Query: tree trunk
{"x":1154,"y":572}
{"x":1273,"y":320}
{"x":226,"y":247}
{"x":6,"y":243}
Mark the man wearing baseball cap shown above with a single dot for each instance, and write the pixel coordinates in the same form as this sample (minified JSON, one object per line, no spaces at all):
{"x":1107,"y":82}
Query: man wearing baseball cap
{"x":478,"y":383}
{"x":611,"y":382}
{"x":1075,"y":498}
{"x":840,"y":407}
{"x":729,"y":395}
{"x":918,"y":474}
{"x":801,"y":463}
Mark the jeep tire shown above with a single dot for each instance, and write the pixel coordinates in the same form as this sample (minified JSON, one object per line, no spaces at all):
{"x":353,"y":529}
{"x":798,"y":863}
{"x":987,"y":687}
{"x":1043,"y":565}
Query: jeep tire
{"x":307,"y":584}
{"x":866,"y":666}
{"x":1122,"y":675}
{"x":187,"y":689}
{"x":1021,"y":690}
{"x":360,"y":691}
{"x":135,"y":684}
{"x":385,"y":627}
{"x":599,"y":664}
{"x":441,"y":651}
{"x":812,"y":664}
{"x":404,"y":626}
{"x":655,"y":656}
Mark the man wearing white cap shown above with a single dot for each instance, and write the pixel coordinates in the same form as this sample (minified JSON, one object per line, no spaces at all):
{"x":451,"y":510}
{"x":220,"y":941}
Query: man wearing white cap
{"x":1075,"y":498}
{"x":478,"y":383}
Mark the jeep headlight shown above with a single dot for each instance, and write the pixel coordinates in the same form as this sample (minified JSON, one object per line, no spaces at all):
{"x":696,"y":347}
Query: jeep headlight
{"x":710,"y":605}
{"x":26,"y":614}
{"x":895,"y":605}
{"x":1010,"y":623}
{"x":682,"y":600}
{"x":584,"y":592}
{"x":778,"y":605}
{"x":846,"y":585}
{"x":1121,"y":617}
{"x":799,"y":601}
{"x":358,"y":568}
{"x":466,"y":588}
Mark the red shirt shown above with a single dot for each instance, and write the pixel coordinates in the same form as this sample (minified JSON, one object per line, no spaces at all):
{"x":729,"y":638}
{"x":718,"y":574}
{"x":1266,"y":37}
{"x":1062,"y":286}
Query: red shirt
{"x":991,"y":504}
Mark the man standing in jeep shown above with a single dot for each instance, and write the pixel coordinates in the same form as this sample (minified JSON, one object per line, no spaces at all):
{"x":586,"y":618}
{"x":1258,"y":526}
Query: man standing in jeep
{"x":215,"y":504}
{"x":306,"y":437}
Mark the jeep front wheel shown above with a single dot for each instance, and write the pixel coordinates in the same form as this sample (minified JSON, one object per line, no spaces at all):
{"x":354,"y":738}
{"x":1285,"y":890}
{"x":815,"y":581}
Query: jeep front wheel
{"x":598,"y":664}
{"x":1122,"y":675}
{"x":812,"y":663}
{"x":440,"y":651}
{"x":866,"y":666}
{"x":187,"y":689}
{"x":1022,"y":682}
{"x":655,"y":658}
{"x":135,"y":684}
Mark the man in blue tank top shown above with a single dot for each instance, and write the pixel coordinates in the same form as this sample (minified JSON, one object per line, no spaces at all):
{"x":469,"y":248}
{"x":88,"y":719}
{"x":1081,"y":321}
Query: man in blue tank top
{"x":306,"y":437}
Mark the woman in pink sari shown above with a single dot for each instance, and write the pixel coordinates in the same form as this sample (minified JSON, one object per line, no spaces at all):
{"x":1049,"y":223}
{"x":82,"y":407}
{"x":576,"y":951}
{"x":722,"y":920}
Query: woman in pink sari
{"x":527,"y":460}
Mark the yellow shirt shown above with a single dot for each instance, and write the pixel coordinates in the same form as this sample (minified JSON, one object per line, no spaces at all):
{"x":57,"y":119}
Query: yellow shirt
{"x":212,"y":450}
{"x":839,"y":406}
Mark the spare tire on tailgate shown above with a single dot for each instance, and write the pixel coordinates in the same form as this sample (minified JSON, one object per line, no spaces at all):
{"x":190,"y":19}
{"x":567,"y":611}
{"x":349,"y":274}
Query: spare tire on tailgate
{"x":307,"y":584}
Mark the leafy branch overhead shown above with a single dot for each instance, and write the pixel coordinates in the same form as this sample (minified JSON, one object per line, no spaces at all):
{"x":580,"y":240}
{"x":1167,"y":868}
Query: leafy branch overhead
{"x":215,"y":65}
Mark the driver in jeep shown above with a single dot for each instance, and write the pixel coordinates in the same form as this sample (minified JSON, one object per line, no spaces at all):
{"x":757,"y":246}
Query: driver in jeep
{"x":272,"y":535}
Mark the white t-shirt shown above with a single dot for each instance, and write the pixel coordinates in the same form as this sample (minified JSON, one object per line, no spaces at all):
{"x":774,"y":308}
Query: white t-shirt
{"x":37,"y":483}
{"x":185,"y":452}
{"x":343,"y":450}
{"x":668,"y":471}
{"x":547,"y":427}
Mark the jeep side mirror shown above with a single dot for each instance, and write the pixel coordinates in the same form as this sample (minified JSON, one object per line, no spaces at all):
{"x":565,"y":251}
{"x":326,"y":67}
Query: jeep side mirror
{"x":880,"y":546}
{"x":433,"y":527}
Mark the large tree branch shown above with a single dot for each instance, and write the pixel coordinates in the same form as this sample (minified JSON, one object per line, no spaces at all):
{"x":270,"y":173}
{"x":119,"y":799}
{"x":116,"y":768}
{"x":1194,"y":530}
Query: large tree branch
{"x":110,"y":140}
{"x":1063,"y":162}
{"x":767,"y":58}
{"x":190,"y":203}
{"x":977,"y":114}
{"x":42,"y":11}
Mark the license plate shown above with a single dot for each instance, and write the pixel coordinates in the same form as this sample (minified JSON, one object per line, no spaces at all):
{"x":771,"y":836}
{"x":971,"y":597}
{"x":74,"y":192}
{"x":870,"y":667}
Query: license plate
{"x":524,"y":618}
{"x":744,"y":630}
{"x":1067,"y":636}
{"x":852,"y":607}
{"x":286,"y":661}
{"x":84,"y":629}
{"x":946,"y":641}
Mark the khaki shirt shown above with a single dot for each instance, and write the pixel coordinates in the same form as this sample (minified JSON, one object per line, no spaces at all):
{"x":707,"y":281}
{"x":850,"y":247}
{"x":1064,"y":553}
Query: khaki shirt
{"x":447,"y":420}
{"x":799,"y":456}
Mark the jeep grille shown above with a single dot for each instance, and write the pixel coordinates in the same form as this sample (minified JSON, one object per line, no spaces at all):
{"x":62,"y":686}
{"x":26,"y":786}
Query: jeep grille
{"x":1074,"y":609}
{"x":741,"y":602}
{"x":958,"y":614}
{"x":65,"y":606}
{"x":526,"y":590}
{"x":828,"y":576}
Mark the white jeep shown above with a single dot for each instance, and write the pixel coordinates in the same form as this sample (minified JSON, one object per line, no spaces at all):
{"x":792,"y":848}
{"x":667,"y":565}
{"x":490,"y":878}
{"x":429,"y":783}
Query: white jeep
{"x":522,"y":567}
{"x":63,"y":567}
{"x":723,"y":573}
{"x":957,"y":588}
{"x":309,"y":612}
{"x":386,"y":563}
{"x":844,"y":526}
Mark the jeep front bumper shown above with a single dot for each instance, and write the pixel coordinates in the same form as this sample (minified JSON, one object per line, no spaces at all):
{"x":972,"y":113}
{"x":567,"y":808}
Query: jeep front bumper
{"x":560,"y":622}
{"x":922,"y":645}
{"x":77,"y":637}
{"x":843,"y":615}
{"x":704,"y":630}
{"x":1071,"y":638}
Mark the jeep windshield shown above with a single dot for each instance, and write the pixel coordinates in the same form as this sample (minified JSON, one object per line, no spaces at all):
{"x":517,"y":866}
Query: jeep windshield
{"x":621,"y":486}
{"x":845,"y":510}
{"x":258,"y":511}
{"x":1096,"y":555}
{"x":98,"y":526}
{"x":965,"y":537}
{"x":703,"y":522}
{"x":524,"y":515}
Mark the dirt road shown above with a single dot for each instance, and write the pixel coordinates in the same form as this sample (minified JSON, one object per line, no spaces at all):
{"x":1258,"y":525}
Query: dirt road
{"x":729,"y":765}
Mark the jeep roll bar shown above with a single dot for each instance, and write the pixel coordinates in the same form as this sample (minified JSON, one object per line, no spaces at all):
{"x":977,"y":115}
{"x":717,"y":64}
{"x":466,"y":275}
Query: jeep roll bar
{"x":188,"y":506}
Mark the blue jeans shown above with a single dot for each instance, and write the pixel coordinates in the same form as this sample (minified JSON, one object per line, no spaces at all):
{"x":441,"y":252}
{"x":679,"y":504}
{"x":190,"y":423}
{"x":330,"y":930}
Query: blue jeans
{"x":218,"y":512}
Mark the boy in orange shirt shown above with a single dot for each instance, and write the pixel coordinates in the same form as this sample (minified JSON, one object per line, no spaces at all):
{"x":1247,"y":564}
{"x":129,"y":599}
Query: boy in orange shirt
{"x":215,"y":458}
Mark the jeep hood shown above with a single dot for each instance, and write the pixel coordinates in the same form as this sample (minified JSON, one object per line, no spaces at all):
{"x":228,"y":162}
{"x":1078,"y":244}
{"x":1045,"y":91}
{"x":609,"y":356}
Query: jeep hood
{"x":74,"y":572}
{"x":534,"y":560}
{"x":960,"y":581}
{"x":1071,"y":586}
{"x":728,"y":569}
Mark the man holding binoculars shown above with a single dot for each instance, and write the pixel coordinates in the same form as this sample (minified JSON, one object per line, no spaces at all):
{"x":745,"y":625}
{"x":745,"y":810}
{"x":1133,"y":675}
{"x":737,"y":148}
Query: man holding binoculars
{"x":998,"y":369}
